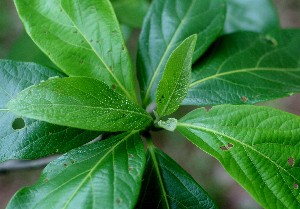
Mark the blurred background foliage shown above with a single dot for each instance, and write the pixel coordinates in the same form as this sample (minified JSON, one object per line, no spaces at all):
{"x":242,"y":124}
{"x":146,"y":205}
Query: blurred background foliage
{"x":16,"y":44}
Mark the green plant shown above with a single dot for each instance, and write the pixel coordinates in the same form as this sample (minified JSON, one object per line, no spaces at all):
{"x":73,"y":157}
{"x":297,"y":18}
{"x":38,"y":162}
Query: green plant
{"x":45,"y":111}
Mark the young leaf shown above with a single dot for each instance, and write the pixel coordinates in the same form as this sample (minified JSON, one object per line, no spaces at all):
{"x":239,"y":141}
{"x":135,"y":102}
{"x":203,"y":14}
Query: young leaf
{"x":23,"y":138}
{"x":81,"y":37}
{"x":173,"y":86}
{"x":258,"y":146}
{"x":247,"y":68}
{"x":80,"y":102}
{"x":250,"y":15}
{"x":167,"y":24}
{"x":105,"y":174}
{"x":131,"y":12}
{"x":167,"y":185}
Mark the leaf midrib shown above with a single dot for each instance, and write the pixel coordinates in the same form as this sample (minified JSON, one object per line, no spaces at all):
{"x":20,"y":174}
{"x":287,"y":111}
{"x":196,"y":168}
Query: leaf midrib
{"x":94,"y":167}
{"x":96,"y":53}
{"x":89,"y":107}
{"x":245,"y":70}
{"x":156,"y":71}
{"x":187,"y":125}
{"x":157,"y":171}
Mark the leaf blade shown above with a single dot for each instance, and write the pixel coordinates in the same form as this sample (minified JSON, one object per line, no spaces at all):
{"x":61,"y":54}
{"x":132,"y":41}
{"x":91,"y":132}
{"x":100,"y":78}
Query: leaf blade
{"x":257,"y":15}
{"x":167,"y":185}
{"x":164,"y":29}
{"x":87,"y":177}
{"x":80,"y":102}
{"x":254,"y":144}
{"x":74,"y":46}
{"x":173,"y":86}
{"x":33,"y":139}
{"x":246,"y":68}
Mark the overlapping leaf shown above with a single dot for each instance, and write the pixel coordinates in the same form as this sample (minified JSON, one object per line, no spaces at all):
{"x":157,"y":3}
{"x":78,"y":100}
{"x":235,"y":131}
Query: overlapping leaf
{"x":173,"y":86}
{"x":167,"y":185}
{"x":258,"y":146}
{"x":105,"y":174}
{"x":167,"y":24}
{"x":81,"y":37}
{"x":80,"y":102}
{"x":250,"y":15}
{"x":31,"y":139}
{"x":247,"y":68}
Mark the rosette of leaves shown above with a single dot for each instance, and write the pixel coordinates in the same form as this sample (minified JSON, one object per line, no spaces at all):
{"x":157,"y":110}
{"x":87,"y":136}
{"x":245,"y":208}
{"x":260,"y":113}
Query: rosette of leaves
{"x":182,"y":59}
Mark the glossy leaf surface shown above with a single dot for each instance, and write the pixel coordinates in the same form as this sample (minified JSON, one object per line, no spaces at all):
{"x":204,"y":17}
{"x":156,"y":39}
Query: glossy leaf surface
{"x":167,"y":24}
{"x":105,"y":174}
{"x":80,"y":102}
{"x":246,"y":68}
{"x":250,"y":15}
{"x":173,"y":86}
{"x":23,"y":138}
{"x":131,"y":12}
{"x":167,"y":185}
{"x":81,"y":37}
{"x":258,"y":146}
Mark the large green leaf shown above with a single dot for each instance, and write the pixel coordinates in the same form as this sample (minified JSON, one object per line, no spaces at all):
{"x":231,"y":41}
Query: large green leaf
{"x":23,"y":138}
{"x":167,"y":24}
{"x":248,"y":68}
{"x":80,"y":102}
{"x":81,"y":37}
{"x":250,"y":15}
{"x":105,"y":174}
{"x":173,"y":86}
{"x":131,"y":12}
{"x":167,"y":185}
{"x":258,"y":146}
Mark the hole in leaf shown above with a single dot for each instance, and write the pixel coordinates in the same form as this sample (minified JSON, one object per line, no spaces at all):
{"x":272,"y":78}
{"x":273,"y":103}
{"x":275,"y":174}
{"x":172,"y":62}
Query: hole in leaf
{"x":114,"y":86}
{"x":119,"y":200}
{"x":295,"y":186}
{"x":46,"y":180}
{"x":65,"y":164}
{"x":18,"y":123}
{"x":291,"y":161}
{"x":230,"y":145}
{"x":130,"y":156}
{"x":224,"y":148}
{"x":244,"y":99}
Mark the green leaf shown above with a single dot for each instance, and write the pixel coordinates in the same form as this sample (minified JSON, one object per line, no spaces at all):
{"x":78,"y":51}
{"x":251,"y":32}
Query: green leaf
{"x":173,"y":86}
{"x":20,"y":48}
{"x":23,"y":138}
{"x":105,"y":174}
{"x":131,"y":12}
{"x":247,"y":68}
{"x":258,"y":146}
{"x":250,"y":15}
{"x":167,"y":24}
{"x":167,"y":185}
{"x":80,"y":102}
{"x":81,"y":37}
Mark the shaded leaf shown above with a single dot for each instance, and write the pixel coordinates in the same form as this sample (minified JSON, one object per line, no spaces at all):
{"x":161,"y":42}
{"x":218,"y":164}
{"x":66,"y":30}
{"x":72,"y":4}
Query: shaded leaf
{"x":105,"y":174}
{"x":81,"y":37}
{"x":250,"y":15}
{"x":258,"y":146}
{"x":173,"y":86}
{"x":247,"y":68}
{"x":23,"y":138}
{"x":167,"y":185}
{"x":167,"y":24}
{"x":131,"y":12}
{"x":80,"y":102}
